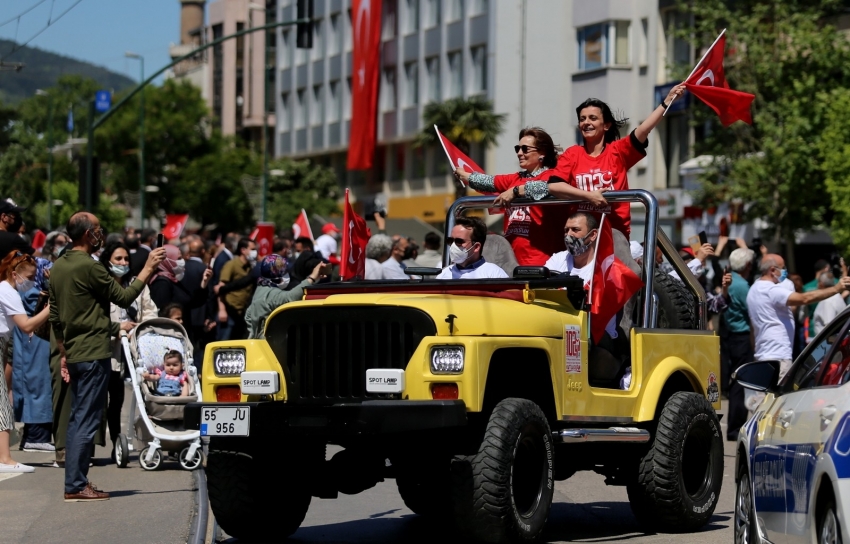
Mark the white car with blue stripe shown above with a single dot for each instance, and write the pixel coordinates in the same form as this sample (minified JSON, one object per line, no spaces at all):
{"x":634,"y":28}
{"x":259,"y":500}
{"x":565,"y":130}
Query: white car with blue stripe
{"x":793,"y":456}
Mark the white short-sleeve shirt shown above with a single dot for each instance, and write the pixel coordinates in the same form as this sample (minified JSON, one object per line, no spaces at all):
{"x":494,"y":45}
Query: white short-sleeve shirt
{"x":480,"y":269}
{"x":326,"y":245}
{"x":563,"y":262}
{"x":10,"y":305}
{"x":771,"y":319}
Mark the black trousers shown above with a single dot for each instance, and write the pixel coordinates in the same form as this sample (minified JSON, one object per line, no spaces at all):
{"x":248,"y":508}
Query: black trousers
{"x":116,"y":403}
{"x":740,"y":351}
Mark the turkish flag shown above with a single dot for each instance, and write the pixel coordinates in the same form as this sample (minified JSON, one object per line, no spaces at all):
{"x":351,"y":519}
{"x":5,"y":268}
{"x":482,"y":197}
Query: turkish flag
{"x":301,"y":227}
{"x":456,"y":157}
{"x":366,"y":57}
{"x":355,"y":236}
{"x":613,"y":282}
{"x":708,"y":83}
{"x":38,"y":240}
{"x":174,"y":223}
{"x":263,"y":236}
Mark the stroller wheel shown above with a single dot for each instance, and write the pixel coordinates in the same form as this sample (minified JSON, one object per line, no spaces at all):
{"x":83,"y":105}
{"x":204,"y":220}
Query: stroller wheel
{"x":155,"y":462}
{"x":194,"y":462}
{"x":122,"y":451}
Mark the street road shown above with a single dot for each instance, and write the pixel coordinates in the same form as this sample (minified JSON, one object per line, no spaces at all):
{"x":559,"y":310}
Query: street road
{"x":584,"y":510}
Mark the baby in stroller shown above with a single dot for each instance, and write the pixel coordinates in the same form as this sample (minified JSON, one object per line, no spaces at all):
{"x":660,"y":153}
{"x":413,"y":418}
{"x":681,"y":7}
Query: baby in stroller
{"x":171,"y":379}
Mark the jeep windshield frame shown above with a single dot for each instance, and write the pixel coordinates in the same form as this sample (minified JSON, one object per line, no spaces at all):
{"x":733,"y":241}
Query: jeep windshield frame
{"x":653,"y":237}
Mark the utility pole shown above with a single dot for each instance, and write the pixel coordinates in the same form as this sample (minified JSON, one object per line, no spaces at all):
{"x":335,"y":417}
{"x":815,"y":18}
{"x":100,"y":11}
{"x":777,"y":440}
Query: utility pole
{"x":264,"y":108}
{"x":131,"y":55}
{"x":89,"y":153}
{"x":39,"y":92}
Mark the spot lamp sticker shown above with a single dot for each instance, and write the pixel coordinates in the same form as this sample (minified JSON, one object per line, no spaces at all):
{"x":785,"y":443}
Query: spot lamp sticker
{"x":572,"y":348}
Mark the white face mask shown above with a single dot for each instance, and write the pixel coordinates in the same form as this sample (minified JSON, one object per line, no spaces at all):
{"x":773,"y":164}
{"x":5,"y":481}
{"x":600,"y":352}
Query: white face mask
{"x":283,"y":282}
{"x":119,"y":269}
{"x":24,"y":285}
{"x":179,"y":269}
{"x":458,"y":254}
{"x":252,"y":255}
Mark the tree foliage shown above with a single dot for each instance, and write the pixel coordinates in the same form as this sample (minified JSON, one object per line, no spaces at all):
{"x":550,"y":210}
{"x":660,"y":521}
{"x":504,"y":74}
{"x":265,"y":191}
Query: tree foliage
{"x":303,"y":185}
{"x":834,"y":149}
{"x":786,"y":52}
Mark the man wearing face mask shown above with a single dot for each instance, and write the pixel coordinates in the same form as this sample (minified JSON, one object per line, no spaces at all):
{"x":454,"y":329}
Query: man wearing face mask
{"x":232,"y":305}
{"x":274,"y":290}
{"x":393,"y":267}
{"x":771,"y":319}
{"x":80,"y":293}
{"x":465,"y":246}
{"x":10,"y":223}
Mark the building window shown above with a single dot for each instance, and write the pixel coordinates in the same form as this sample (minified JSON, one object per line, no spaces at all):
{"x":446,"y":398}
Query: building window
{"x":479,"y":69}
{"x":478,"y":7}
{"x":218,"y":73}
{"x":317,"y":106}
{"x":432,"y":13}
{"x":300,"y":108}
{"x":283,"y":118}
{"x":318,"y":50}
{"x":388,"y":90}
{"x":389,"y":19}
{"x":454,"y":10}
{"x":347,"y":105}
{"x":455,"y":74}
{"x":678,"y":51}
{"x":412,"y":8}
{"x":333,"y":102}
{"x":348,"y":32}
{"x":285,"y":49}
{"x":333,"y":34}
{"x":432,"y":66}
{"x":643,"y":45}
{"x":411,"y":84}
{"x":603,"y":44}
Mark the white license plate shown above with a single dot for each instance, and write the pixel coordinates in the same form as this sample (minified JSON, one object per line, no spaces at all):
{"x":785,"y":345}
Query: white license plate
{"x":225,"y":421}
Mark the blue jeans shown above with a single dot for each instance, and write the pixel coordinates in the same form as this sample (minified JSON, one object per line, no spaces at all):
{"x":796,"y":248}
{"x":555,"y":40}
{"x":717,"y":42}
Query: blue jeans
{"x":89,"y":385}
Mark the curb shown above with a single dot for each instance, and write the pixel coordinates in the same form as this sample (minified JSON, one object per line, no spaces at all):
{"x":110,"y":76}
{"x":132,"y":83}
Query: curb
{"x":198,"y":525}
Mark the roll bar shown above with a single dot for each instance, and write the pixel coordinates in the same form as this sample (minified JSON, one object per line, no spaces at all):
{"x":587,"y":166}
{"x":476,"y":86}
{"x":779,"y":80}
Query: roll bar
{"x":652,"y":236}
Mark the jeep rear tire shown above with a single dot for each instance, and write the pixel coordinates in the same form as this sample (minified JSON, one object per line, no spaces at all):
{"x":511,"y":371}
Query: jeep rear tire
{"x":508,"y":493}
{"x":676,"y":305}
{"x":239,"y":491}
{"x":679,"y":479}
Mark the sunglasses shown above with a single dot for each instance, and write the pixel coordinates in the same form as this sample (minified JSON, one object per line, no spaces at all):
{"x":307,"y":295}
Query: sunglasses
{"x":21,"y":258}
{"x":459,"y":241}
{"x":525,"y":148}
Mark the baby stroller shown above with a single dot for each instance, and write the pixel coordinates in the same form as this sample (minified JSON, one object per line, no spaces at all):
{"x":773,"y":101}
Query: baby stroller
{"x":158,"y":426}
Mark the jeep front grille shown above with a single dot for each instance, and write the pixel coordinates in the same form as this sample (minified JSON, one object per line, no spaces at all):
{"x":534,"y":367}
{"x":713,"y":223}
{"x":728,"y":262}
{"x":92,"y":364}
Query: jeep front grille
{"x":325,"y":351}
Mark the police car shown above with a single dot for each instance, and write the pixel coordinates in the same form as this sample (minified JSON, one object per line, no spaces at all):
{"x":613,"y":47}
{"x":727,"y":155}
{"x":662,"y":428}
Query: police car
{"x":793,"y":456}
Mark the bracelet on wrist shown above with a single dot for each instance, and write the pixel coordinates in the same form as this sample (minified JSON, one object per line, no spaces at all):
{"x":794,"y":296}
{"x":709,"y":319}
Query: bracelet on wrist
{"x":664,"y":104}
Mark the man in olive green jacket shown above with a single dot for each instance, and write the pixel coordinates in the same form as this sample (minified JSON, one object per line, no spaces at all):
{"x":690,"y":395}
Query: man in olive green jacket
{"x":81,"y":290}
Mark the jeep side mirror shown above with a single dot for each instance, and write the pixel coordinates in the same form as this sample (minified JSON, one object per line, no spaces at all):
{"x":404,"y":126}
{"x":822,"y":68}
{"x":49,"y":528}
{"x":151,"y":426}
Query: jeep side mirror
{"x":758,"y":375}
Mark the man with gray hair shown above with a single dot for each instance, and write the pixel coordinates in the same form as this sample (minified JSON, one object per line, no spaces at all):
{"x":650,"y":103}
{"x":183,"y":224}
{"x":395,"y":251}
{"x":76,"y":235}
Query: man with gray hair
{"x":827,"y":310}
{"x":378,"y":250}
{"x":736,"y":347}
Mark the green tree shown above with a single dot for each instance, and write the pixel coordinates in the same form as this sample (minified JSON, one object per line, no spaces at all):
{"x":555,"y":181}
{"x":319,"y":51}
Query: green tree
{"x":785,"y":52}
{"x":303,"y":184}
{"x":464,"y":122}
{"x":112,"y":216}
{"x":834,"y":149}
{"x":72,"y":93}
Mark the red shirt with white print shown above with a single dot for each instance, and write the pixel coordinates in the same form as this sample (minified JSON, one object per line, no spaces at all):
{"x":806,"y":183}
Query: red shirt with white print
{"x":535,"y":232}
{"x":608,"y":170}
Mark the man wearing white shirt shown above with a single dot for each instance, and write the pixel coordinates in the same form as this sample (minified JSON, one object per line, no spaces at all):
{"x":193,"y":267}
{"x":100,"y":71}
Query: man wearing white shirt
{"x":827,"y":310}
{"x":465,"y":245}
{"x":393,"y":267}
{"x":327,"y":243}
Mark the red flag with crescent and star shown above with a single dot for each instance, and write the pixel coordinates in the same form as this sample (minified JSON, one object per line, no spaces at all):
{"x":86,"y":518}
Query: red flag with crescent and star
{"x":263,"y":236}
{"x":456,"y":157}
{"x":355,"y":236}
{"x":708,"y":83}
{"x":301,"y":227}
{"x":174,"y":224}
{"x":366,"y":57}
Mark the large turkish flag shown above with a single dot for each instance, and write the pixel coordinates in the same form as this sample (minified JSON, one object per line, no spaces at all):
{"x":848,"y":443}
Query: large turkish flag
{"x":366,"y":59}
{"x":263,"y":236}
{"x":708,"y":83}
{"x":355,"y":236}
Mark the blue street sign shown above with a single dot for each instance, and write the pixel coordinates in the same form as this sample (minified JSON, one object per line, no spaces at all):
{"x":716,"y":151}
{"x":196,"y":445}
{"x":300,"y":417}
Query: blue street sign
{"x":102,"y":101}
{"x":680,"y":104}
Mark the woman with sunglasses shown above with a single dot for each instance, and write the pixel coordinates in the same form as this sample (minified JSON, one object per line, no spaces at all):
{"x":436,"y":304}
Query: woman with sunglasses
{"x":17,"y":271}
{"x":534,"y":235}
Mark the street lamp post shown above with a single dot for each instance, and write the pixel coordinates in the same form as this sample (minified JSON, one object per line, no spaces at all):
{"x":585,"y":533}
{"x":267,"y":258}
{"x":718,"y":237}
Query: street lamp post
{"x":49,"y":157}
{"x":265,"y":140}
{"x":131,"y":55}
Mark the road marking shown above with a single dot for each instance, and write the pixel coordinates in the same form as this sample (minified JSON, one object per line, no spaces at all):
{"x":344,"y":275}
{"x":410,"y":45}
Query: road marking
{"x":10,"y":475}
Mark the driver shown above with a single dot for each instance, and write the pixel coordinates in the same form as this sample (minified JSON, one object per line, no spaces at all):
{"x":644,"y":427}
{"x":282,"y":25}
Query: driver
{"x":465,"y":245}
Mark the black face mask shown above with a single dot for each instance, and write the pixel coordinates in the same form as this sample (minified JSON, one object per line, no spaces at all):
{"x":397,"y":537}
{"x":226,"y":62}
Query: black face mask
{"x":132,"y":242}
{"x":15,"y":226}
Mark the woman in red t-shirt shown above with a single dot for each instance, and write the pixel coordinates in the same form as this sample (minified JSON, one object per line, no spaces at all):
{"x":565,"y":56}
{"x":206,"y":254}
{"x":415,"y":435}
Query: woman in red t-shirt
{"x":534,"y":236}
{"x":603,"y":161}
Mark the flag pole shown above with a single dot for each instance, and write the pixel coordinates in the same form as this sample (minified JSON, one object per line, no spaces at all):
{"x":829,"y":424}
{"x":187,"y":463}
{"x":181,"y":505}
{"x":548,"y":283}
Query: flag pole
{"x":722,"y":32}
{"x":446,"y":151}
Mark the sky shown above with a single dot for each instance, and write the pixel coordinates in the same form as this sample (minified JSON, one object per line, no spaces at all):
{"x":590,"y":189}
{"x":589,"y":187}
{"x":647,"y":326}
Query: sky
{"x":98,"y":31}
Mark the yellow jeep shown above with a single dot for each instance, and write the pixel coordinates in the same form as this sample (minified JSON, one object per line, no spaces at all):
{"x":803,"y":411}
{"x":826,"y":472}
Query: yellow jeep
{"x":475,"y":395}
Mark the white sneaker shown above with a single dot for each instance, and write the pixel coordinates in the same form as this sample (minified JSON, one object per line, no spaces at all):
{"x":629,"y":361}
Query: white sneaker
{"x":17,"y":467}
{"x":38,"y":447}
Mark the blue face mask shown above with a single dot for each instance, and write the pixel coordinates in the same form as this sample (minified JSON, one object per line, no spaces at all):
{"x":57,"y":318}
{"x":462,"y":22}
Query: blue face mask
{"x":783,"y":274}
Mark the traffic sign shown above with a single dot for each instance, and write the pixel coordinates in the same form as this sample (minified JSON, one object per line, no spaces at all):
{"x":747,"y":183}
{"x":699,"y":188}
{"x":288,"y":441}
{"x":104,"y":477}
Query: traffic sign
{"x":102,"y":101}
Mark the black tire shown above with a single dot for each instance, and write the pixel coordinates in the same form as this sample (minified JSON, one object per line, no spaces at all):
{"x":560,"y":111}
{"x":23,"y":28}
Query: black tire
{"x":504,"y":493}
{"x":247,"y":504}
{"x":745,"y":520}
{"x":677,"y":307}
{"x":829,"y":529}
{"x":679,"y":479}
{"x":121,"y":451}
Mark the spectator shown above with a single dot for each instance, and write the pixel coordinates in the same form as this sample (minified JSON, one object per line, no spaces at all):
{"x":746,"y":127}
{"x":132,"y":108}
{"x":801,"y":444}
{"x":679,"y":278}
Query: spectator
{"x":80,"y":293}
{"x":828,"y":309}
{"x":467,"y":242}
{"x":224,"y":256}
{"x":232,"y":306}
{"x":801,"y":318}
{"x":275,"y":289}
{"x":196,"y":317}
{"x":17,"y":271}
{"x":302,"y":244}
{"x":821,"y":266}
{"x":431,"y":257}
{"x":174,"y":312}
{"x":139,"y":256}
{"x":54,"y":245}
{"x":327,"y":243}
{"x":10,"y":223}
{"x":167,"y":286}
{"x":735,"y":343}
{"x":378,"y":250}
{"x":116,"y":259}
{"x":393,"y":267}
{"x":410,"y":253}
{"x":282,"y":247}
{"x":770,"y":316}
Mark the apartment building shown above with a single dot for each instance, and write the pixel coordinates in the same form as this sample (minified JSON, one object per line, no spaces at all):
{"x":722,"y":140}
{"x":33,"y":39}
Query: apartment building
{"x":537,"y":60}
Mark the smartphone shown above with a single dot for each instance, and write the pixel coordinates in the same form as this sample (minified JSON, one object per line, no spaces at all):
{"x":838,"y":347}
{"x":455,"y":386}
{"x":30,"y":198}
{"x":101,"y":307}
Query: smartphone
{"x":727,"y":270}
{"x":160,"y":240}
{"x":703,"y":237}
{"x":694,"y":243}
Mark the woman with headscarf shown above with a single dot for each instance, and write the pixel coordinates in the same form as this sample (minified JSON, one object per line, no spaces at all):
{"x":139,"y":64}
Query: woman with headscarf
{"x":272,"y":291}
{"x":167,"y":288}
